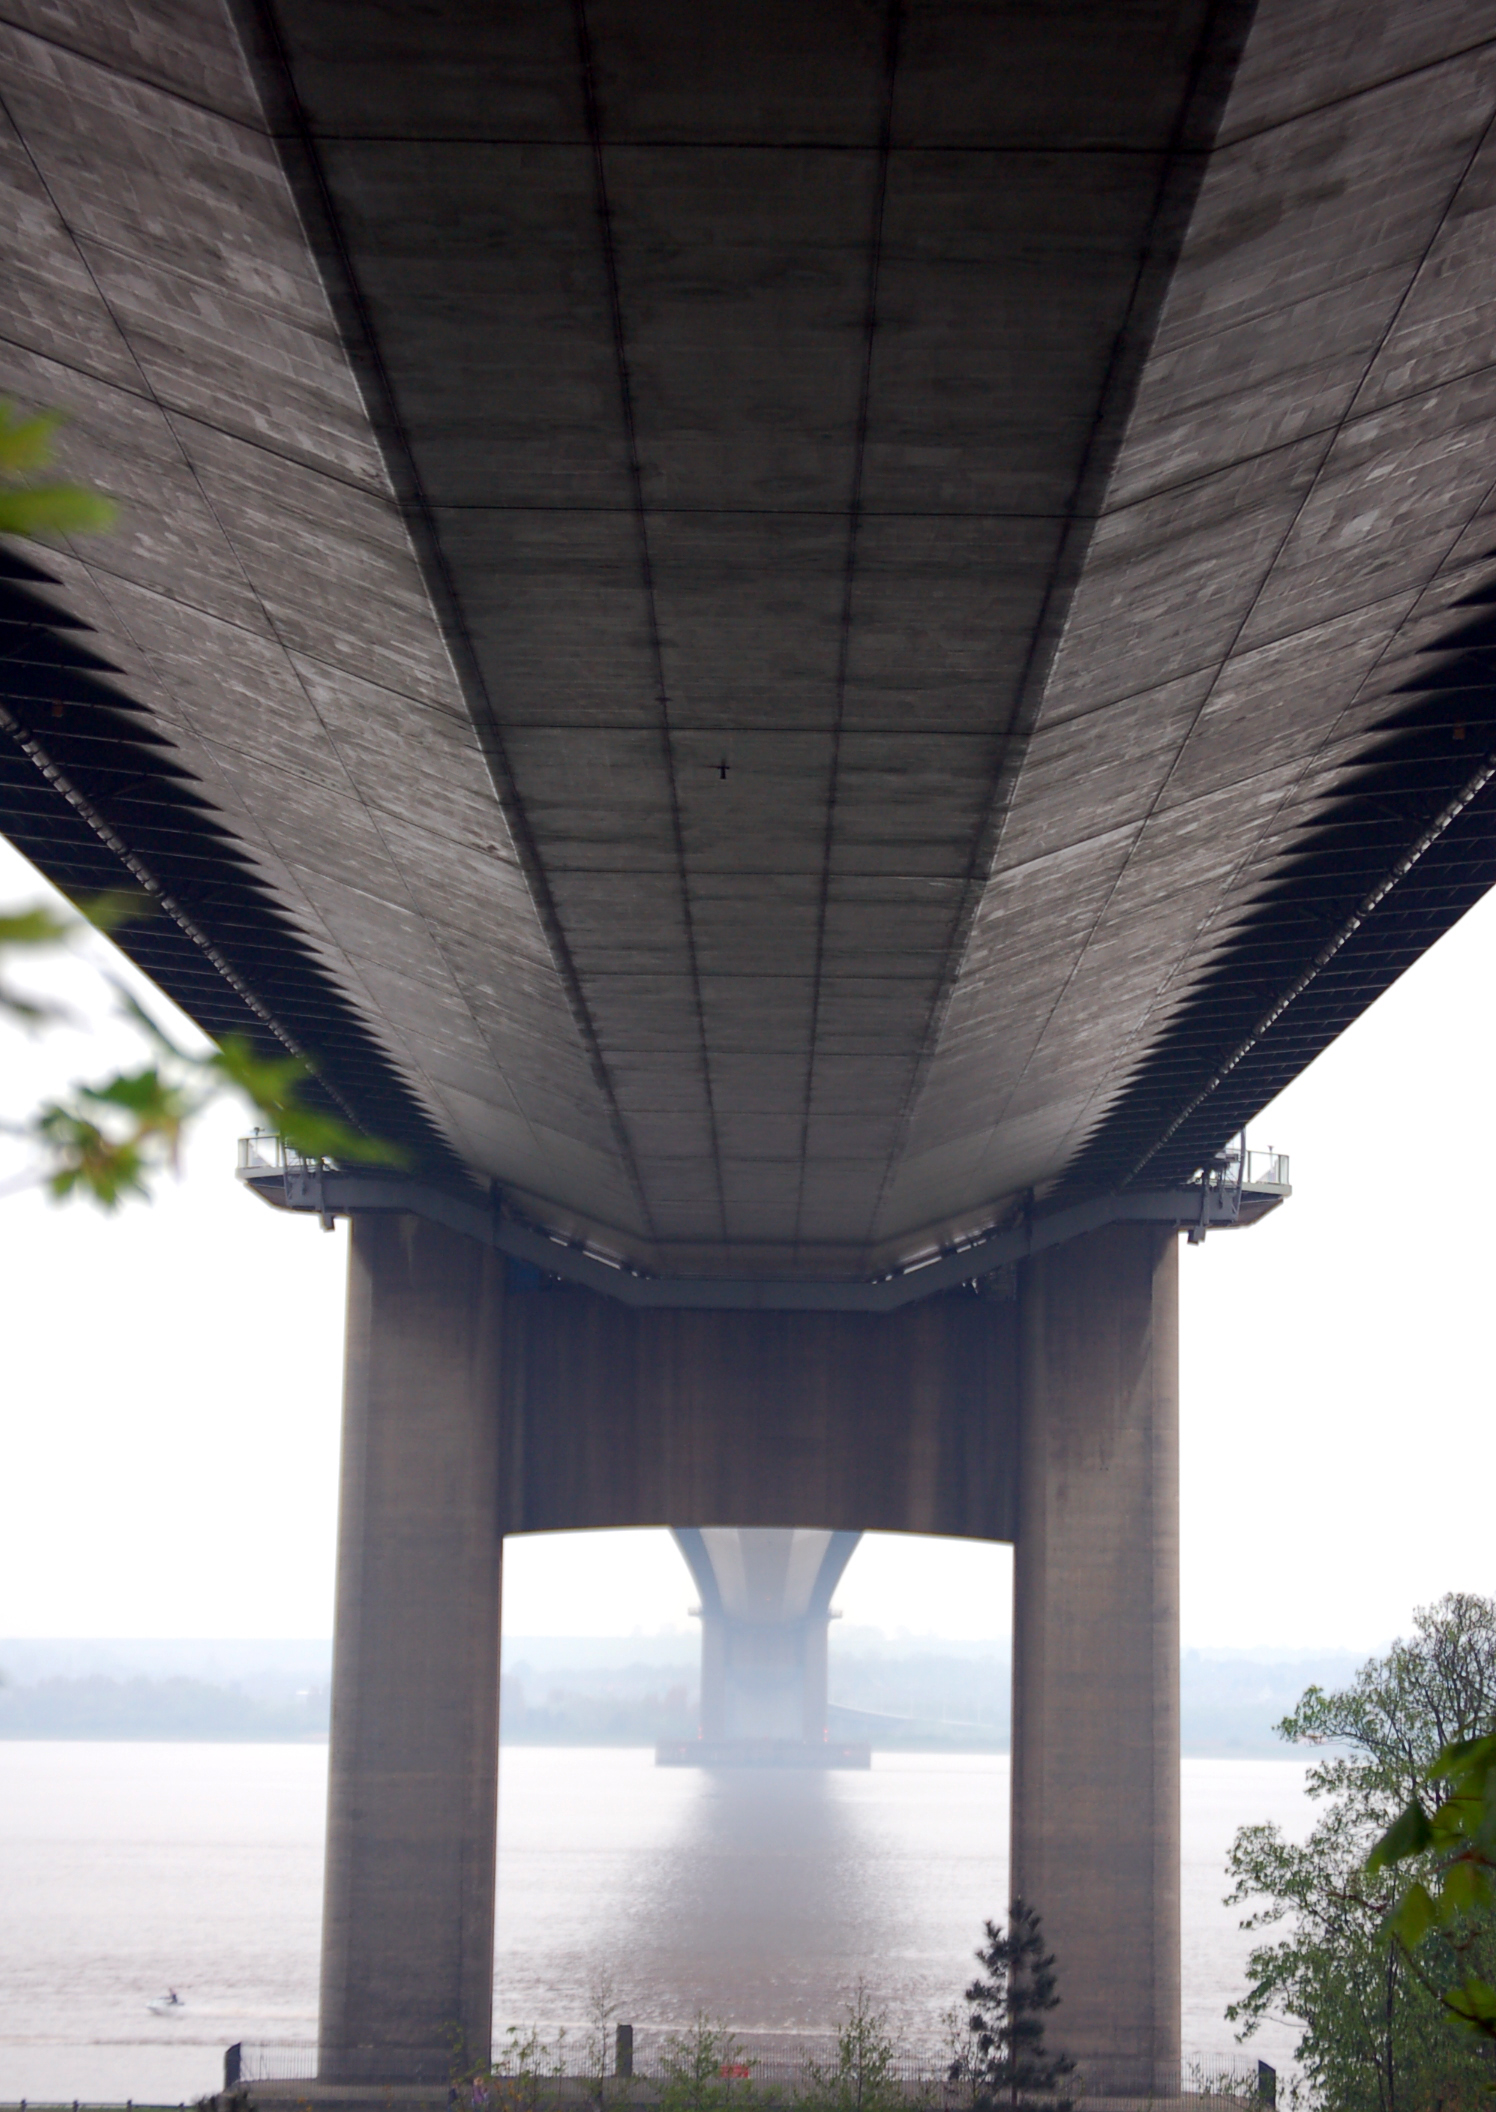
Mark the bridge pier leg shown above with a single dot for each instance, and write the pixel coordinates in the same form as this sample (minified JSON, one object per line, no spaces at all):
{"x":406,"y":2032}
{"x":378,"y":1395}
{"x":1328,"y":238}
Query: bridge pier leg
{"x":407,"y":1947}
{"x":1095,"y":1827}
{"x":761,"y":1680}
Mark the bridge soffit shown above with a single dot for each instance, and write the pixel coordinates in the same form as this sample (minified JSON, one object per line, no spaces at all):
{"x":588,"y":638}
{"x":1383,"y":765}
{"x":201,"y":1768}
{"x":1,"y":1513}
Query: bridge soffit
{"x":763,"y":817}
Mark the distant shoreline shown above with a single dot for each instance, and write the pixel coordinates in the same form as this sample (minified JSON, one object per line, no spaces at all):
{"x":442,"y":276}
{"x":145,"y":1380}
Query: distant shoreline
{"x":610,"y":1692}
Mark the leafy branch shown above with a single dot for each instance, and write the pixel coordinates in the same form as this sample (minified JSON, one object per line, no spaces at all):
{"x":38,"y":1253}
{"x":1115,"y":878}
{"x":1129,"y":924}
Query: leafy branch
{"x":108,"y":1140}
{"x":1458,"y":1900}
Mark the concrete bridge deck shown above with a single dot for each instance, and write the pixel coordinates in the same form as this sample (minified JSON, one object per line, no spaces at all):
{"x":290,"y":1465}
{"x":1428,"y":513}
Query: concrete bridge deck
{"x":771,"y":638}
{"x":786,"y":638}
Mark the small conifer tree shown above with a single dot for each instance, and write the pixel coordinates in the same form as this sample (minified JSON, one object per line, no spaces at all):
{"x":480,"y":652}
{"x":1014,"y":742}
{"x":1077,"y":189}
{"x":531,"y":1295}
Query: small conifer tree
{"x":1005,"y":2058}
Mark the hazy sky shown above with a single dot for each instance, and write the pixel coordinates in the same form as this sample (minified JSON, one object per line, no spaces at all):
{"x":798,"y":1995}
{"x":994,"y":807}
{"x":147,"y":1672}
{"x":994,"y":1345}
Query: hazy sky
{"x":168,"y":1438}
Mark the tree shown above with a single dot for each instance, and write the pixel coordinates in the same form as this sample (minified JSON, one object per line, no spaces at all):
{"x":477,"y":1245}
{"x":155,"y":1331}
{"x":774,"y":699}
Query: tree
{"x":598,"y":2046}
{"x":1457,"y":1900}
{"x":109,"y":1139}
{"x":1005,"y":2055}
{"x":1375,"y":2036}
{"x":521,"y":2076}
{"x":864,"y":2076}
{"x":698,"y":2065}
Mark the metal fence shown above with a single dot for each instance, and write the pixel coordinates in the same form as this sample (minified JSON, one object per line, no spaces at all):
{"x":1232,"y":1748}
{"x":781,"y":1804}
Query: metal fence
{"x":771,"y":2056}
{"x":287,"y":2061}
{"x":262,"y":1151}
{"x":1266,"y":1169}
{"x":566,"y":2055}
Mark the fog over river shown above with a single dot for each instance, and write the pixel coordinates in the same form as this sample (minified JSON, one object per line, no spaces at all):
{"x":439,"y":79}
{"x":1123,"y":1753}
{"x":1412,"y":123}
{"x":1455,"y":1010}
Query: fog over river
{"x":126,"y":1869}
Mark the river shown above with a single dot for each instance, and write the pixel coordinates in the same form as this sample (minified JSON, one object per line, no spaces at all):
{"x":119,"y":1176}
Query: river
{"x":126,"y":1869}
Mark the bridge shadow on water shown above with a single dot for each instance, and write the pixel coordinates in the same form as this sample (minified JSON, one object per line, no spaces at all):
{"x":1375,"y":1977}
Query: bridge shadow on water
{"x":757,"y":1895}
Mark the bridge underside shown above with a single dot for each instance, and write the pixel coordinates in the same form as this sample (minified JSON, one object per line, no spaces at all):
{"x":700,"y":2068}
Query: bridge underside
{"x":778,"y":636}
{"x":774,"y":634}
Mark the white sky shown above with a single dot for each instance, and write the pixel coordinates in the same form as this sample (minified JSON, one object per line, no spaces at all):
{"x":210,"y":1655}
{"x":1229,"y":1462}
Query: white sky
{"x":169,"y":1413}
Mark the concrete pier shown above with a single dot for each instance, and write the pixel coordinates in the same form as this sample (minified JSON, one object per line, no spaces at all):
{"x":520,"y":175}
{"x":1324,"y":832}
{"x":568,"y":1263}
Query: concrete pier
{"x":1095,"y":1839}
{"x":765,"y":1614}
{"x":479,"y":1405}
{"x":408,"y":1916}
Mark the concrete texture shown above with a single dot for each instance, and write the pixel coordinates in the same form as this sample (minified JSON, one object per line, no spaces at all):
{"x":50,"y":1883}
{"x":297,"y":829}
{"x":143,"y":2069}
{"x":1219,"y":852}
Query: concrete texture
{"x":844,"y":1422}
{"x":1022,"y":447}
{"x":1095,"y":1830}
{"x":407,"y":1954}
{"x":476,"y":1407}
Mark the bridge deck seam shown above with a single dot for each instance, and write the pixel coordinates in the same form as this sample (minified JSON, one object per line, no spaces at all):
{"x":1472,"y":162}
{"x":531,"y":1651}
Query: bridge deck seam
{"x":1180,"y":178}
{"x":1226,"y":893}
{"x":307,"y":183}
{"x":640,"y":515}
{"x":893,"y":26}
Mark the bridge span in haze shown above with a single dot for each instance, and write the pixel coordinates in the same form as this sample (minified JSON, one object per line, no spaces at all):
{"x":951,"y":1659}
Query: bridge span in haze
{"x":809,"y":646}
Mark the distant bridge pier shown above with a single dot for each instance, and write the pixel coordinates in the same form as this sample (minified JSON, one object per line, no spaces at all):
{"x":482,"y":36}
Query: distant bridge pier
{"x":765,"y":1616}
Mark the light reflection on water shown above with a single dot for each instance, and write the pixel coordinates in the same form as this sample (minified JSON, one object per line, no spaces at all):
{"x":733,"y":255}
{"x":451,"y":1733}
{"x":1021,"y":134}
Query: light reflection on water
{"x":128,"y":1868}
{"x":757,"y":1895}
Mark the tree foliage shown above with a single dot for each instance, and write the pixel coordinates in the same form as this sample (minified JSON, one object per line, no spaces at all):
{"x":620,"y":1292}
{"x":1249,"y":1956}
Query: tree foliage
{"x":1455,"y":1901}
{"x":1374,"y":2033}
{"x":698,"y":2066}
{"x":108,"y":1140}
{"x":1005,"y":2055}
{"x":864,"y":2076}
{"x":1384,"y":1731}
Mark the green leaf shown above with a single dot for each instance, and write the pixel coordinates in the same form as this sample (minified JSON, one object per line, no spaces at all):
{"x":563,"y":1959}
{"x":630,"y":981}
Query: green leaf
{"x":319,"y":1136}
{"x":1408,"y":1835}
{"x":54,"y":509}
{"x":1465,"y":1890}
{"x":34,"y":927}
{"x":41,"y":509}
{"x":272,"y":1085}
{"x":1465,"y":1762}
{"x":1474,"y":2001}
{"x":86,"y":1160}
{"x":116,"y":907}
{"x":1412,"y":1917}
{"x":31,"y":928}
{"x":25,"y":438}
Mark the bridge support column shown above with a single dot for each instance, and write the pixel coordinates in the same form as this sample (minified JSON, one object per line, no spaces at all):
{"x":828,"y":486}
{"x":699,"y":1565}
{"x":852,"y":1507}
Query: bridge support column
{"x":1096,"y":1647}
{"x":407,"y":1956}
{"x":764,"y":1680}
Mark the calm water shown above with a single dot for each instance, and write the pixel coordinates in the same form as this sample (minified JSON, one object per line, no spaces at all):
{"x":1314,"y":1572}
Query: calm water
{"x":125,"y":1869}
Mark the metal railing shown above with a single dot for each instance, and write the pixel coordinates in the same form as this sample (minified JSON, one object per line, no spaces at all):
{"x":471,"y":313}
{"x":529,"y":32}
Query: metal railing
{"x":286,"y":2061}
{"x":262,"y":1151}
{"x":1233,"y":1175}
{"x":786,"y":2058}
{"x":1266,"y":1169}
{"x":559,"y":2058}
{"x":1237,"y":1167}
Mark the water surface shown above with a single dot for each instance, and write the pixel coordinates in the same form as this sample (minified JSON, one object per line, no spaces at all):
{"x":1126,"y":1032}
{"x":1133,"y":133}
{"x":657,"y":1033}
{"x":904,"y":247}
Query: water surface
{"x":125,"y":1869}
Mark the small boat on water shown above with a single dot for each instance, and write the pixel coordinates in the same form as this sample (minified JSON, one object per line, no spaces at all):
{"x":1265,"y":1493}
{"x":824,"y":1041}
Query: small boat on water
{"x":166,"y":2005}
